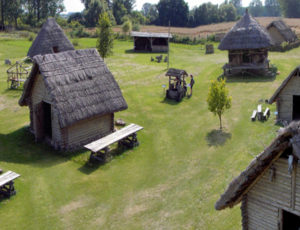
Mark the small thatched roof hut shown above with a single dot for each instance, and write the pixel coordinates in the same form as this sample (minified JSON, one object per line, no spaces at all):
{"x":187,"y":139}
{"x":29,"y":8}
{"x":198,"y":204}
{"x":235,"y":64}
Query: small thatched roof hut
{"x":280,"y":32}
{"x":287,"y":97}
{"x":50,"y":39}
{"x":72,"y":97}
{"x":269,"y":187}
{"x":247,"y":43}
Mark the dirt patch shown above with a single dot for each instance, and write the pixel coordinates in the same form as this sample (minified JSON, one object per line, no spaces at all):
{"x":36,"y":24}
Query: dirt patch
{"x":74,"y":205}
{"x":134,"y":210}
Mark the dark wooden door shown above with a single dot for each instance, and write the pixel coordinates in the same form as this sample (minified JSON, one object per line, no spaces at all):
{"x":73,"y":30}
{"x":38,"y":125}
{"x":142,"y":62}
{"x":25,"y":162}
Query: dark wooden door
{"x":296,"y":107}
{"x":39,"y":122}
{"x":290,"y":221}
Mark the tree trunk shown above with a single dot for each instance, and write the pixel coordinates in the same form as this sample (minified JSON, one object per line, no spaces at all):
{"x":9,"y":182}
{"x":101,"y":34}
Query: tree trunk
{"x":2,"y":15}
{"x":220,"y":118}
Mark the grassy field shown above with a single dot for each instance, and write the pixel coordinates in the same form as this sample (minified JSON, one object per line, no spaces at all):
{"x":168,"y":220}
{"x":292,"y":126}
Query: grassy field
{"x":171,"y":181}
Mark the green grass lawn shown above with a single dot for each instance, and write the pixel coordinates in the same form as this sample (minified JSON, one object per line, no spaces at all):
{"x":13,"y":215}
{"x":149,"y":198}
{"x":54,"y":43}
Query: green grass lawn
{"x":171,"y":181}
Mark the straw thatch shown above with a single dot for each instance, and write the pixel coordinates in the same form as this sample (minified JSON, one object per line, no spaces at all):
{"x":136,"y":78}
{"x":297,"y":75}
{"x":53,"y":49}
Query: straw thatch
{"x":246,"y":180}
{"x":79,"y":83}
{"x":176,"y":73}
{"x":246,"y":34}
{"x":50,"y":37}
{"x":294,"y":73}
{"x":284,"y":30}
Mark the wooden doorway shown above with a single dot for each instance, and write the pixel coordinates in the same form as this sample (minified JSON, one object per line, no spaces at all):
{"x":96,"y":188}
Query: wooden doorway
{"x":43,"y":121}
{"x":290,"y":221}
{"x":296,"y":107}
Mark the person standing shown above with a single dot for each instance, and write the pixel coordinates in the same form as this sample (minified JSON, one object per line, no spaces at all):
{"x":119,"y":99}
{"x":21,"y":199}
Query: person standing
{"x":192,"y":84}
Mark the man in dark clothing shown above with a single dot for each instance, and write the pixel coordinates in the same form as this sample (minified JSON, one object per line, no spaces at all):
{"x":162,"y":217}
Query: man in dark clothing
{"x":191,"y":84}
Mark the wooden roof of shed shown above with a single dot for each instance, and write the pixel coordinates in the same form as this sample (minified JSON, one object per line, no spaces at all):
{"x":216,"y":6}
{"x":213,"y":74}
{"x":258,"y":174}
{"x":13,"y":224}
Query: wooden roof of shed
{"x":246,"y":34}
{"x":176,"y":72}
{"x":79,"y":83}
{"x":289,"y":137}
{"x":283,"y":29}
{"x":150,"y":35}
{"x":51,"y":35}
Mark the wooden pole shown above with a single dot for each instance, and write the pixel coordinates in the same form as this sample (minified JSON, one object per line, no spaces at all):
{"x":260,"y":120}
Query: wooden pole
{"x":169,"y":46}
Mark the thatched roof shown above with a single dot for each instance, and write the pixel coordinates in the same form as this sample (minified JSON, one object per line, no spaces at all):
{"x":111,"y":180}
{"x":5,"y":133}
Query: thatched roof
{"x":50,"y":36}
{"x":150,"y":35}
{"x":79,"y":83}
{"x":295,"y":72}
{"x":176,"y":73}
{"x":289,"y":137}
{"x":246,"y":34}
{"x":284,"y":30}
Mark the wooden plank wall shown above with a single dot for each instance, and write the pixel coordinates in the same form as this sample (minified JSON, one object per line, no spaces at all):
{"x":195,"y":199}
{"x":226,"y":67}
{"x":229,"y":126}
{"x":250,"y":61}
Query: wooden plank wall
{"x":285,"y":99}
{"x":89,"y":130}
{"x":265,"y":201}
{"x":276,"y":36}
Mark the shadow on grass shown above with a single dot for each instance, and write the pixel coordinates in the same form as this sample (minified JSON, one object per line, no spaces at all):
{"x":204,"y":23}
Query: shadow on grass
{"x":247,"y":78}
{"x":169,"y":101}
{"x":217,"y":137}
{"x":132,"y":51}
{"x":20,"y":147}
{"x":89,"y":167}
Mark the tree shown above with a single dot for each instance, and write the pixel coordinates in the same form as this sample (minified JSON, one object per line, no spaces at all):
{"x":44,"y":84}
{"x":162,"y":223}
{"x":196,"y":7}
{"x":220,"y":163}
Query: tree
{"x":105,"y":36}
{"x":256,"y":8}
{"x":218,"y":99}
{"x":150,"y":12}
{"x":272,"y":8}
{"x":290,"y":8}
{"x":227,"y":13}
{"x":174,"y":11}
{"x":236,"y":3}
{"x":92,"y":12}
{"x":126,"y":27}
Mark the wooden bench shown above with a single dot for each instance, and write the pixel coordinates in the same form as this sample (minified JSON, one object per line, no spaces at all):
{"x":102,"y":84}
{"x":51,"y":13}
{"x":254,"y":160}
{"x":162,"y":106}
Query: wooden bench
{"x":266,"y":114}
{"x":259,"y":113}
{"x":7,"y":184}
{"x":253,"y":117}
{"x":126,"y":136}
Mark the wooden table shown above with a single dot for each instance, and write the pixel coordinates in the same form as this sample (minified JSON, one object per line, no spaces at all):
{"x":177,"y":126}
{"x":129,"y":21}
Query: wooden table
{"x":7,"y":184}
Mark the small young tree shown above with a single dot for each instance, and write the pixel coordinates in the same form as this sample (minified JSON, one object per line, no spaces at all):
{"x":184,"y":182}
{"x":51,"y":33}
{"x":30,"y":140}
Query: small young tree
{"x":127,"y":27}
{"x":105,"y":36}
{"x":218,"y":99}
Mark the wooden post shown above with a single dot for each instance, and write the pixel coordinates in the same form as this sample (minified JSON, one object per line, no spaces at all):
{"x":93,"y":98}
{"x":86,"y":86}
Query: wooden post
{"x":169,"y":45}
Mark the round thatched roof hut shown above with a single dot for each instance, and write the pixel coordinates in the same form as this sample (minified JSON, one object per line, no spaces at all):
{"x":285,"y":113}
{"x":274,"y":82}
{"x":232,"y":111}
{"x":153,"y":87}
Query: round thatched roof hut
{"x":247,"y":43}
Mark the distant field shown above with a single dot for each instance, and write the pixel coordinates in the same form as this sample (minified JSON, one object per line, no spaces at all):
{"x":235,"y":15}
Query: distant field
{"x":203,"y":31}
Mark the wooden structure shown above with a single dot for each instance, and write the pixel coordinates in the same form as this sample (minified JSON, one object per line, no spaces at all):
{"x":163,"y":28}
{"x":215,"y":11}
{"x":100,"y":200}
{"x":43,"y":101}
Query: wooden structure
{"x":50,"y":39}
{"x":287,"y":97}
{"x":209,"y":49}
{"x":7,"y":188}
{"x":17,"y":74}
{"x":152,"y":42}
{"x":269,"y":188}
{"x":177,"y":84}
{"x":280,"y":32}
{"x":247,"y":44}
{"x":126,"y":136}
{"x":72,"y":97}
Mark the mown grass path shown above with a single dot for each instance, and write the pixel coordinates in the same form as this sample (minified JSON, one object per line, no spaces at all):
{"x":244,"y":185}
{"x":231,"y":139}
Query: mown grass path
{"x":171,"y":181}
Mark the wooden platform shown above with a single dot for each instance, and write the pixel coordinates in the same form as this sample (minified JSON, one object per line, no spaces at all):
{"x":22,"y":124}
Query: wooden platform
{"x":125,"y":136}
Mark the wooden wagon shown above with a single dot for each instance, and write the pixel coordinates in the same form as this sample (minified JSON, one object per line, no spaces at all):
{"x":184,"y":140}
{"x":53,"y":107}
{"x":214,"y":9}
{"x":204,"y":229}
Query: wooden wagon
{"x":177,"y":84}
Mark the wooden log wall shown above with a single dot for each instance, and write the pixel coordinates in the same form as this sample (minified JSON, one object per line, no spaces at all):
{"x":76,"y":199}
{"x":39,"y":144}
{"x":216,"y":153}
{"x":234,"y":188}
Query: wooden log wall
{"x":276,"y":35}
{"x":262,"y":206}
{"x":285,"y":99}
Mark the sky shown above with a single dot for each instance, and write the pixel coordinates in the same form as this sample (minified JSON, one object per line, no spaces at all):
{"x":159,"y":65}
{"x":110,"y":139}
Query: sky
{"x":77,"y":6}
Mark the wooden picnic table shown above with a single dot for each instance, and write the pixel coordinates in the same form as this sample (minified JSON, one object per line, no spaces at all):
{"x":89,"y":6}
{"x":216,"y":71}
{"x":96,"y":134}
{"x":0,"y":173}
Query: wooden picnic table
{"x":126,"y":136}
{"x":7,"y":183}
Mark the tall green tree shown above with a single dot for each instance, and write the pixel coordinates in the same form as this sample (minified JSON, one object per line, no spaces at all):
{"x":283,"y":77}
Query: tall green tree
{"x":227,"y":13}
{"x":272,"y":8}
{"x":218,"y":99}
{"x":175,"y":11}
{"x":290,"y":8}
{"x":105,"y":36}
{"x":256,"y":8}
{"x":150,"y":12}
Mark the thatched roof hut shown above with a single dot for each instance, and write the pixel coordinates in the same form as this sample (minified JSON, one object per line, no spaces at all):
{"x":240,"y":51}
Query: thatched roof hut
{"x":153,"y":42}
{"x":269,"y":187}
{"x":280,"y":32}
{"x":50,"y":39}
{"x":247,"y":43}
{"x":72,"y":98}
{"x":287,"y":97}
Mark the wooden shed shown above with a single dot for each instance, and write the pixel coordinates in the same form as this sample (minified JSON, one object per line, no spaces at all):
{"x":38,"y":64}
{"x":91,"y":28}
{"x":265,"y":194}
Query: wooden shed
{"x":247,"y":44}
{"x":280,"y":32}
{"x":152,"y":42}
{"x":287,"y":97}
{"x":72,"y":97}
{"x":50,"y":39}
{"x":269,"y":188}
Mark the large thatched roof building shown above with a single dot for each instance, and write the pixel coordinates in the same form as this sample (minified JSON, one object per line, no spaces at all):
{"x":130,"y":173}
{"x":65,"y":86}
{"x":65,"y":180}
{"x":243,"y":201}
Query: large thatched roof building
{"x":72,"y":97}
{"x":269,"y":188}
{"x":50,"y":39}
{"x":287,"y":97}
{"x":153,"y":42}
{"x":247,"y":44}
{"x":280,"y":32}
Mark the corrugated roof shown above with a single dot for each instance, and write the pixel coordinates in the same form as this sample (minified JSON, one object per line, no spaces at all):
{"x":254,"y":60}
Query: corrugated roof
{"x":150,"y":35}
